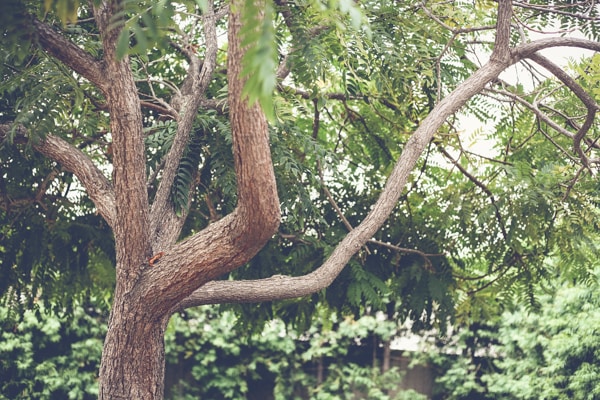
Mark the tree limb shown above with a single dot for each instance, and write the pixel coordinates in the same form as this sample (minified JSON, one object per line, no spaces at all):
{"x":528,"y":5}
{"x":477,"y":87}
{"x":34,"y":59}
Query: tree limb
{"x":129,"y":154}
{"x":165,"y":225}
{"x":527,"y":50}
{"x":235,"y":239}
{"x":70,"y":54}
{"x":285,"y":287}
{"x":74,"y":160}
{"x":586,"y":99}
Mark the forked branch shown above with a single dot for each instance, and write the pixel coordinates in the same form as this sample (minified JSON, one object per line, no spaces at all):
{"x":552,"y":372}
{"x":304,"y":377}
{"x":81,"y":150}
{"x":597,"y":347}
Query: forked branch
{"x":233,"y":240}
{"x":70,"y":54}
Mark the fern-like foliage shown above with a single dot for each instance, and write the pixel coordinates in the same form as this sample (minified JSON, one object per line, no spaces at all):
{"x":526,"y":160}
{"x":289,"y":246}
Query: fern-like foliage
{"x":187,"y":172}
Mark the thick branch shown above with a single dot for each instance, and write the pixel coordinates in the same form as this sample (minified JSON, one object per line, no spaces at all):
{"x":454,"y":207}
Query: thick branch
{"x":70,"y":54}
{"x":232,"y":241}
{"x":285,"y":287}
{"x":74,"y":160}
{"x":526,"y":50}
{"x":129,"y":154}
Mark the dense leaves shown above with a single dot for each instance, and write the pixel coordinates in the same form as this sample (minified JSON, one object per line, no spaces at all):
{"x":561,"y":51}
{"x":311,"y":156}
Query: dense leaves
{"x":49,"y":356}
{"x":551,"y":353}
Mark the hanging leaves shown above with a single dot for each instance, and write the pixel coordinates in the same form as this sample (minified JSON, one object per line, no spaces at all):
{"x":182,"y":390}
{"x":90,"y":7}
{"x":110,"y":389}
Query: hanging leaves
{"x":260,"y":60}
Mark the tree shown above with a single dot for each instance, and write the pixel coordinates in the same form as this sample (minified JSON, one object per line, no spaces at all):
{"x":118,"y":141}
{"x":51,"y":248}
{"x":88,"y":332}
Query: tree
{"x":116,"y":63}
{"x":522,"y":353}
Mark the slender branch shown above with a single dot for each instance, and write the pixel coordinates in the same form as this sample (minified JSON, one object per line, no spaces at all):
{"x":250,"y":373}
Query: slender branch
{"x":425,"y":256}
{"x":484,"y":188}
{"x":285,"y":287}
{"x":167,"y":111}
{"x":165,"y":224}
{"x":555,"y":10}
{"x":307,"y":96}
{"x":455,"y":31}
{"x":586,"y":99}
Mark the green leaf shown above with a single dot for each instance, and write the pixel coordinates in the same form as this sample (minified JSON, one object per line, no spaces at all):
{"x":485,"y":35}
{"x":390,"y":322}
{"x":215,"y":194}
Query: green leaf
{"x":122,"y":43}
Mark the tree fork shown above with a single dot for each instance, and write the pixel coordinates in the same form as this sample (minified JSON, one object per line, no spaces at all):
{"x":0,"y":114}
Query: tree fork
{"x":147,"y":292}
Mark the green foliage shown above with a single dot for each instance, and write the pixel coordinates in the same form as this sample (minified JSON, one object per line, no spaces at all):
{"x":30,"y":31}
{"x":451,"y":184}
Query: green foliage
{"x":260,"y":60}
{"x":47,"y":356}
{"x":143,"y":26}
{"x":565,"y":14}
{"x":66,"y":10}
{"x":551,"y":353}
{"x":17,"y":31}
{"x":187,"y":171}
{"x":49,"y":254}
{"x":221,"y":363}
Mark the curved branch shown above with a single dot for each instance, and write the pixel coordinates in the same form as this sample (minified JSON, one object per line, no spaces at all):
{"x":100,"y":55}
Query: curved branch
{"x":70,"y":54}
{"x":74,"y":160}
{"x":542,"y":117}
{"x":527,"y":50}
{"x":586,"y":99}
{"x":236,"y":238}
{"x":285,"y":287}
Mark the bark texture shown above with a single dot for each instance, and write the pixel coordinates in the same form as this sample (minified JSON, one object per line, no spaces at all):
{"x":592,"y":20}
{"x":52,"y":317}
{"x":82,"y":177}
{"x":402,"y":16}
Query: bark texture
{"x":146,"y":293}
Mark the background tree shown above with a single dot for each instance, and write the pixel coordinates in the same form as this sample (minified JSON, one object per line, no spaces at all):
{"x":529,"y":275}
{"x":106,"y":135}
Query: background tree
{"x":143,"y":109}
{"x":549,"y":352}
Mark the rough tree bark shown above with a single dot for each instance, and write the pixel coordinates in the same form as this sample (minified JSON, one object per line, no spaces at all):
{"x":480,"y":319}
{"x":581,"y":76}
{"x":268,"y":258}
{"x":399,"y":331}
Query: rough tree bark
{"x":133,"y":358}
{"x":146,"y":295}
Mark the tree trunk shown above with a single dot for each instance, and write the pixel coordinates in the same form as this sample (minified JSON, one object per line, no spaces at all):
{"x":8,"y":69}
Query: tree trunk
{"x":387,"y":355}
{"x":147,"y":292}
{"x":133,"y":360}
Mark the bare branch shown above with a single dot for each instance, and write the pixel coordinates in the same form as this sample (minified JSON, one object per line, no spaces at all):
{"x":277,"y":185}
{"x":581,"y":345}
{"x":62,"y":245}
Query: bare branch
{"x":588,"y":101}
